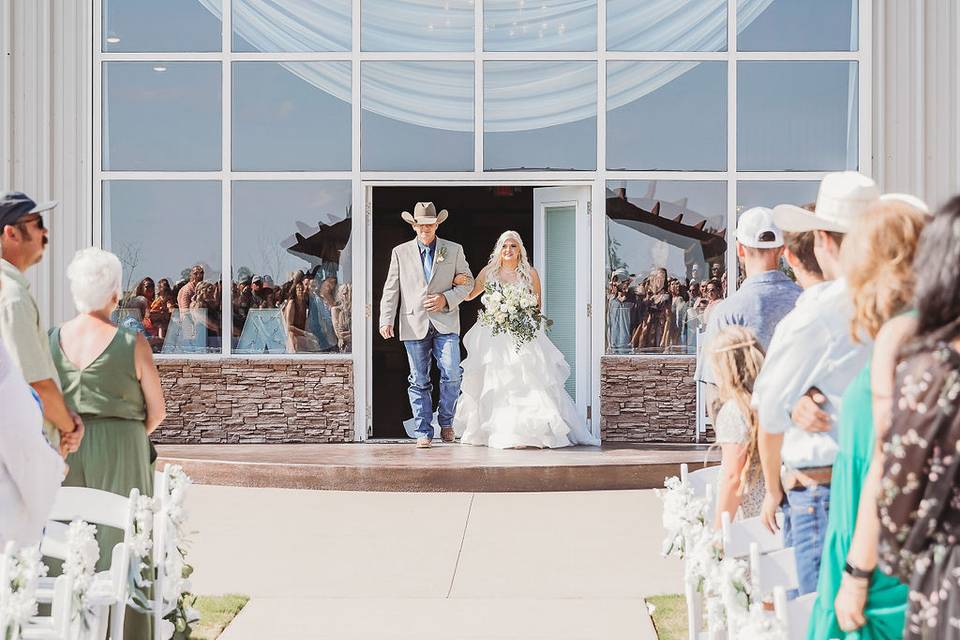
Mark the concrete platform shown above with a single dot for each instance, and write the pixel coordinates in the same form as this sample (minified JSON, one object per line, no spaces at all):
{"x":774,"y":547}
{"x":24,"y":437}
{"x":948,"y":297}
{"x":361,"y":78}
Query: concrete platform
{"x":447,"y":467}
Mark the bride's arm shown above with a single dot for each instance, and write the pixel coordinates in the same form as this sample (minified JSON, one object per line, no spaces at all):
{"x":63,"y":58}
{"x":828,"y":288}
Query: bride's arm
{"x":535,"y":281}
{"x":478,"y":284}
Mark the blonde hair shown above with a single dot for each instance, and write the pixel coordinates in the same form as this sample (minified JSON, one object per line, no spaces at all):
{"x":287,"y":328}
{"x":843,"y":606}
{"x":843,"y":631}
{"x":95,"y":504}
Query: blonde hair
{"x":736,"y":358}
{"x":878,"y":263}
{"x":524,"y":270}
{"x":95,"y":279}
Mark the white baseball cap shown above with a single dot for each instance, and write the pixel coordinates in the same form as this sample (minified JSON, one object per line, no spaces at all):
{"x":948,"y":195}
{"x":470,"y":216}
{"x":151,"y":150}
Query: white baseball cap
{"x":842,"y":199}
{"x":757,"y":229}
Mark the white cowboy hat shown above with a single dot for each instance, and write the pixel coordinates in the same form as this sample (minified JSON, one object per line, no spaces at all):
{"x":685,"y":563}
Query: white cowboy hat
{"x":842,"y":199}
{"x":424,"y":213}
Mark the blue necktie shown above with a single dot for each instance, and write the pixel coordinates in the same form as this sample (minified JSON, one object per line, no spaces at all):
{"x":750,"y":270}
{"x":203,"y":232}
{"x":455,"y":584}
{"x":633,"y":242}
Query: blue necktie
{"x":427,"y":256}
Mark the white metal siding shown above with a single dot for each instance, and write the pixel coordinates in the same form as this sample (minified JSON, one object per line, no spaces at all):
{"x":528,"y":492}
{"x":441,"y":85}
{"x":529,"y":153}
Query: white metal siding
{"x":47,"y":109}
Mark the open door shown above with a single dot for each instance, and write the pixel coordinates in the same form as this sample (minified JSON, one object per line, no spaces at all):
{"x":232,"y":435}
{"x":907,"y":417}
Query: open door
{"x":561,"y":223}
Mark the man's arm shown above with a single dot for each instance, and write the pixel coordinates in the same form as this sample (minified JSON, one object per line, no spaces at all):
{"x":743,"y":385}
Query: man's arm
{"x":459,"y":293}
{"x":54,"y":408}
{"x":390,"y":299}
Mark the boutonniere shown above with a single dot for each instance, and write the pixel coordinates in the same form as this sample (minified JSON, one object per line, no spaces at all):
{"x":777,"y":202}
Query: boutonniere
{"x":442,"y":254}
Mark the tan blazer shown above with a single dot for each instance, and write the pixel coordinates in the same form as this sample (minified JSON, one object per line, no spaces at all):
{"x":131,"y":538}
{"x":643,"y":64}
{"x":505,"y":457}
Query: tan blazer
{"x":406,"y":287}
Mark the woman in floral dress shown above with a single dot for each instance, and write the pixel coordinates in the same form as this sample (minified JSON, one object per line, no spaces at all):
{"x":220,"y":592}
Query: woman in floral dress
{"x":919,"y":500}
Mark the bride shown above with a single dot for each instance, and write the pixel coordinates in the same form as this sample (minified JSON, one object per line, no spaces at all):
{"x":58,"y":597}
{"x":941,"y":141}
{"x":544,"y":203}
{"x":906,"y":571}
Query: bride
{"x":514,"y":398}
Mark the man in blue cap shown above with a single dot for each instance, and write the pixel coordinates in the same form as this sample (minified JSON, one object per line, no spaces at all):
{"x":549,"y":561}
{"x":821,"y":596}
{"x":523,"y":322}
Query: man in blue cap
{"x":23,"y":239}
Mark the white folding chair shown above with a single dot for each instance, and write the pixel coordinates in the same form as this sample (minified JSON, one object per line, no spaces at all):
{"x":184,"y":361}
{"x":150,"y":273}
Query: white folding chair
{"x":161,"y":533}
{"x":794,"y":614}
{"x":737,"y":537}
{"x":703,"y":482}
{"x":59,"y":625}
{"x":771,"y":570}
{"x":111,"y":589}
{"x":6,"y":566}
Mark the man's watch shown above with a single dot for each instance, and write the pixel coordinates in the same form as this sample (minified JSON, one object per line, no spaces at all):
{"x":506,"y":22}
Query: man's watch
{"x":855,"y":572}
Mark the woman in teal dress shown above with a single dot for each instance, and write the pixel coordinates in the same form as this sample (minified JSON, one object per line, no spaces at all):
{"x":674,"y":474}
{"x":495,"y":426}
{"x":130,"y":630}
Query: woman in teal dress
{"x":854,"y":600}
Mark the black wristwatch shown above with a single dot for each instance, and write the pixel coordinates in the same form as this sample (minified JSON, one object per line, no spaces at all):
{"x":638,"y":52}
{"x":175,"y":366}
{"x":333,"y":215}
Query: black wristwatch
{"x":854,"y":572}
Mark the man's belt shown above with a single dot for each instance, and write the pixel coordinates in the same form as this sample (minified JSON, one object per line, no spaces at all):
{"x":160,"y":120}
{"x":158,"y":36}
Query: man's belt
{"x":799,"y":479}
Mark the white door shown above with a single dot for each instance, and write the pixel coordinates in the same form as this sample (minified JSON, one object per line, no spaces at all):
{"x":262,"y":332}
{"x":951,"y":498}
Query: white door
{"x":561,"y":227}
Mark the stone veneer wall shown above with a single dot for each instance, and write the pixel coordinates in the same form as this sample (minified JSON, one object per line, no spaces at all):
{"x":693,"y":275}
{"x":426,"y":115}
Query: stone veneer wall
{"x":648,"y":399}
{"x":246,"y":401}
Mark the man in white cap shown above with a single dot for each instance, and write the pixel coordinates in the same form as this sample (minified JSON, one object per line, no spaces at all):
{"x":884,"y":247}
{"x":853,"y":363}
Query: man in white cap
{"x":809,"y":363}
{"x":764,"y":297}
{"x":421,"y":277}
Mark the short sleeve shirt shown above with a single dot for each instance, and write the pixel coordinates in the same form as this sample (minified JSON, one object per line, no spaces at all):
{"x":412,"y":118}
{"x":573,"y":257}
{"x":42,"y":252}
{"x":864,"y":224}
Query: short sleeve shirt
{"x":21,"y":332}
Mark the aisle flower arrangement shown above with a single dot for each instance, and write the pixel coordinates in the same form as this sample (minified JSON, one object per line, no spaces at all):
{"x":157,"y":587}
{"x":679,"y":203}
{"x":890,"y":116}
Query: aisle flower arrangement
{"x":81,"y":564}
{"x":176,"y":588}
{"x":20,"y":601}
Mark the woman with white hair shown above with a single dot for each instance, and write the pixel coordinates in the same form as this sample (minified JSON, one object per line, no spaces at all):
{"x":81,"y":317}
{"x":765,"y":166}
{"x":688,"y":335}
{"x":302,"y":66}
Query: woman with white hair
{"x":108,"y":378}
{"x":512,"y":393}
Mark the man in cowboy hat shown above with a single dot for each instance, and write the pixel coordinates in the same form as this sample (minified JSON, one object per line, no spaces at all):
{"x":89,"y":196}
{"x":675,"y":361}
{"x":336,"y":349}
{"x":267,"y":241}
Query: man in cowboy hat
{"x":421,"y":277}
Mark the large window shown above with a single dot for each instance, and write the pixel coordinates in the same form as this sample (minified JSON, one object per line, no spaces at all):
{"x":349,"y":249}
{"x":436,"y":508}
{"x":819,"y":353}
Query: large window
{"x":233,"y":139}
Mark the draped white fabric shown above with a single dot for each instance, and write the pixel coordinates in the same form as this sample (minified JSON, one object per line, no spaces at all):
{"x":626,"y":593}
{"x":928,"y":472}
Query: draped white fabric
{"x":540,"y":25}
{"x":526,"y":95}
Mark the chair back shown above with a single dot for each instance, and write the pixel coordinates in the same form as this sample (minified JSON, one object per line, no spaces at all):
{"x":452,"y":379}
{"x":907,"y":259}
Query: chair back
{"x":794,"y":614}
{"x":54,"y":542}
{"x":96,"y":507}
{"x":771,"y":570}
{"x":739,"y":535}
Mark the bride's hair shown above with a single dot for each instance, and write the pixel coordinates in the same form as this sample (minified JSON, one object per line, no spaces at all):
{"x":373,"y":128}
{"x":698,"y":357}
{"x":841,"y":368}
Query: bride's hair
{"x":496,"y":260}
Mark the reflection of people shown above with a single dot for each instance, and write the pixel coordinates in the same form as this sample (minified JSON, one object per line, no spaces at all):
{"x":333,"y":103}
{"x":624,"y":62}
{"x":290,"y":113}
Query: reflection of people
{"x":186,"y":293}
{"x":621,"y":313}
{"x":421,"y":278}
{"x":656,"y":328}
{"x":736,"y":358}
{"x":162,"y":307}
{"x":110,"y":379}
{"x":515,"y":396}
{"x":342,"y":314}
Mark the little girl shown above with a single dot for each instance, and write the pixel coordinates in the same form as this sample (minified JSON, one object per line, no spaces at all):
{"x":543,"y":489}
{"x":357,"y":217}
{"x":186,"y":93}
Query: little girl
{"x":736,"y":358}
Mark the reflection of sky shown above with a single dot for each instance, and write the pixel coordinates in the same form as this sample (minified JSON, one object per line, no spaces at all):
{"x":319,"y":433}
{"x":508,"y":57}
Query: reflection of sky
{"x":391,"y":145}
{"x":796,"y":116}
{"x":680,"y":126}
{"x":544,"y":25}
{"x":160,"y":25}
{"x":292,"y":126}
{"x":266,"y":214}
{"x":802,"y":25}
{"x":163,"y":121}
{"x":640,"y":251}
{"x":161,"y":227}
{"x":770,"y":193}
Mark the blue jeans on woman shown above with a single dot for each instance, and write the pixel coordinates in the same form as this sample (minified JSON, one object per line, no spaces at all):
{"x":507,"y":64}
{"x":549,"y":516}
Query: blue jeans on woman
{"x":806,"y":512}
{"x":445,"y":349}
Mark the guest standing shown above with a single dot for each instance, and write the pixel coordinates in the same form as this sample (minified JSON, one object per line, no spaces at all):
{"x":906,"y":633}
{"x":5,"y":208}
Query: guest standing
{"x":109,"y":378}
{"x":920,"y":467}
{"x":23,"y":239}
{"x":736,"y":358}
{"x":877,"y":262}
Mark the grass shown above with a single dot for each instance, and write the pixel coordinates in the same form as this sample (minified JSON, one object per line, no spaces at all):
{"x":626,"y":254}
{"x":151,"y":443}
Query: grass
{"x":669,"y":616}
{"x":216,"y":612}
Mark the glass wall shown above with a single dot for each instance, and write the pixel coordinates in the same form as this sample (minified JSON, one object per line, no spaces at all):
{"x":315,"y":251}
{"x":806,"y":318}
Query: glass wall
{"x":241,"y":152}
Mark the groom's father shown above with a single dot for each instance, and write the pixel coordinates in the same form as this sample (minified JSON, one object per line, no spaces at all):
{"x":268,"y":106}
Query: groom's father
{"x":421,"y":278}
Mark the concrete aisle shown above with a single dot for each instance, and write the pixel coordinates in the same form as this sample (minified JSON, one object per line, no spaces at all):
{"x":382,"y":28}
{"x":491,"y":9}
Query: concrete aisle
{"x":326,"y":564}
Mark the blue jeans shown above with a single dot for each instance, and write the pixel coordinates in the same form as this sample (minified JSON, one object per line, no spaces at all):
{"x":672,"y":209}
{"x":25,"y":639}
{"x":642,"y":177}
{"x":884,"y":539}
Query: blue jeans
{"x":805,"y":525}
{"x":445,"y":349}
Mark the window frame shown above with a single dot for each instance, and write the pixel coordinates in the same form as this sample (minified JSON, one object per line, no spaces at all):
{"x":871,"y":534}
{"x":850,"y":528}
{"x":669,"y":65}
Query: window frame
{"x":361,"y":179}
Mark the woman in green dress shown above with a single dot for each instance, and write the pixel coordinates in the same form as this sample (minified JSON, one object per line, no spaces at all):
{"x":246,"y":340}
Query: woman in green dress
{"x":853,"y":600}
{"x":109,"y":379}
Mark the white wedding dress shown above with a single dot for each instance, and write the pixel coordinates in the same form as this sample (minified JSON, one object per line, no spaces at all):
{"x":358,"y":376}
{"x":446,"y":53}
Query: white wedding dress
{"x":512,"y":398}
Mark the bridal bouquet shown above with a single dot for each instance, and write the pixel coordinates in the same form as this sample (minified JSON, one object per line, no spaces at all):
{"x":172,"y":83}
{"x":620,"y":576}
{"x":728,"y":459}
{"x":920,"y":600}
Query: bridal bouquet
{"x":512,"y":310}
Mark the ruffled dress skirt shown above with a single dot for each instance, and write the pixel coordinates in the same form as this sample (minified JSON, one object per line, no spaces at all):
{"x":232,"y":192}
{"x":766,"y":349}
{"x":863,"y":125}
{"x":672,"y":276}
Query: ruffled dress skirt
{"x":513,"y":399}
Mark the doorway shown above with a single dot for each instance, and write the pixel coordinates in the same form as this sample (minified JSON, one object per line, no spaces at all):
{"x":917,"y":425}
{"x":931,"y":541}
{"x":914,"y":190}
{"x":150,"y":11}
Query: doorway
{"x":553,"y":225}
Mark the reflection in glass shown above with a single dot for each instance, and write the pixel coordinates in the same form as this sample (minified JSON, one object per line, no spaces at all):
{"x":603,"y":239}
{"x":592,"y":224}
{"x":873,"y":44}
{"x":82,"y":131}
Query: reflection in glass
{"x":666,"y":249}
{"x":416,"y":25}
{"x":540,"y":115}
{"x":301,"y":124}
{"x":544,"y":25}
{"x":797,"y":116}
{"x":668,"y":25}
{"x":770,"y":193}
{"x":161,"y":26}
{"x":667,"y":115}
{"x":417,"y":116}
{"x":788,"y":25}
{"x":167,"y":236}
{"x":292,"y":286}
{"x":161,"y":116}
{"x":291,"y":25}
